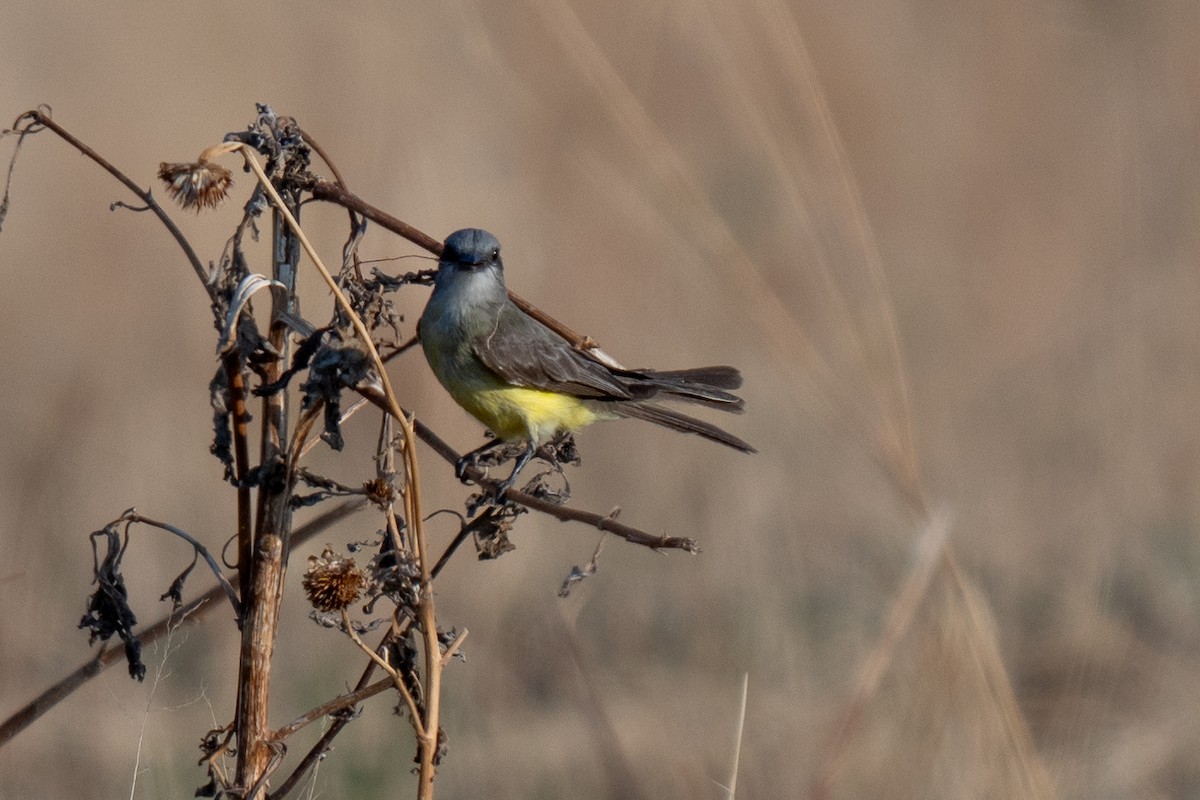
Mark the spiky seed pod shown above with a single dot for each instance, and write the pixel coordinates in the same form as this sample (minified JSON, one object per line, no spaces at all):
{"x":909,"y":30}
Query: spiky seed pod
{"x":332,"y":582}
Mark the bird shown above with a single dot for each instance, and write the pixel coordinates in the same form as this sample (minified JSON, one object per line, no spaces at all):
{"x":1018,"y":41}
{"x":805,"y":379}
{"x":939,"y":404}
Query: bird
{"x":526,"y":382}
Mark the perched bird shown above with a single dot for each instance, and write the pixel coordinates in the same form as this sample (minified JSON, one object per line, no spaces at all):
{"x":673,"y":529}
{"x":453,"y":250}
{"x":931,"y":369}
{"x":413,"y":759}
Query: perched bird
{"x":527,"y":383}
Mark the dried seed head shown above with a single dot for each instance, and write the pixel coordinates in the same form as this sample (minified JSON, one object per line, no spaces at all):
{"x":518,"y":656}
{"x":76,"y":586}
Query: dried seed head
{"x":379,"y":491}
{"x":196,"y":186}
{"x":332,"y":583}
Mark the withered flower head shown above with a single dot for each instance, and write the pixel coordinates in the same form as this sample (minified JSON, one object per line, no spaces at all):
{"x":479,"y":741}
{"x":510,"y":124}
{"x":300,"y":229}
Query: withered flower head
{"x":332,"y":582}
{"x":379,"y":491}
{"x":195,"y":186}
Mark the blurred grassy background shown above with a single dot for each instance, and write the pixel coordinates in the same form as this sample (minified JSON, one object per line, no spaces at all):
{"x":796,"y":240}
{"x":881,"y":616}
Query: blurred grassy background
{"x":689,"y":184}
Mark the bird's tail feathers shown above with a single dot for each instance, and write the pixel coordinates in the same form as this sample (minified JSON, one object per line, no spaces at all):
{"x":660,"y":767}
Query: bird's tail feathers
{"x":712,"y":377}
{"x":676,"y":421}
{"x":705,"y":385}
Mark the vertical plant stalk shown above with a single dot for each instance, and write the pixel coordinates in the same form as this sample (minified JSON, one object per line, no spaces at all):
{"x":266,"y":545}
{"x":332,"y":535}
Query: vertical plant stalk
{"x":426,"y":616}
{"x":254,"y":664}
{"x":267,"y":565}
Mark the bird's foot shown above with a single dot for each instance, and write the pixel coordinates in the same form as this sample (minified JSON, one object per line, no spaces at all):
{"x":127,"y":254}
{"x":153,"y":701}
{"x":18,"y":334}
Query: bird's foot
{"x":468,"y":462}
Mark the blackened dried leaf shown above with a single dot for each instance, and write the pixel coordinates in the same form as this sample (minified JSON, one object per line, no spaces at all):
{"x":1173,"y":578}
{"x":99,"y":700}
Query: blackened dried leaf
{"x":491,"y":537}
{"x":272,"y":475}
{"x":175,"y":592}
{"x":133,"y":657}
{"x":306,"y":500}
{"x":362,"y":628}
{"x":402,"y":655}
{"x":325,"y":620}
{"x":394,"y":575}
{"x":109,"y":613}
{"x":212,"y":741}
{"x":332,"y":435}
{"x":443,"y":746}
{"x":388,"y":283}
{"x":331,"y":370}
{"x":563,"y":450}
{"x":207,"y":790}
{"x":255,"y":349}
{"x":539,"y":486}
{"x":300,"y":361}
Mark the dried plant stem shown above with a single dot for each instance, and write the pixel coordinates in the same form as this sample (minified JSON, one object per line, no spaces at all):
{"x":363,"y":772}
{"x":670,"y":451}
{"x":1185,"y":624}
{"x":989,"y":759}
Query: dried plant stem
{"x":255,"y":749}
{"x":426,"y":615}
{"x":254,"y":666}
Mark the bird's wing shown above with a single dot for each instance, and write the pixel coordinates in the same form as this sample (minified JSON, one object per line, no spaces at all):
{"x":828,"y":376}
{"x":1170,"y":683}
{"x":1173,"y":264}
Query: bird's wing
{"x":525,"y":352}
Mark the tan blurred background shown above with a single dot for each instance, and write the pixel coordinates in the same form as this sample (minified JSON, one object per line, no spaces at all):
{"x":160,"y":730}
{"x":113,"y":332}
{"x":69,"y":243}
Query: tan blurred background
{"x":1014,"y":185}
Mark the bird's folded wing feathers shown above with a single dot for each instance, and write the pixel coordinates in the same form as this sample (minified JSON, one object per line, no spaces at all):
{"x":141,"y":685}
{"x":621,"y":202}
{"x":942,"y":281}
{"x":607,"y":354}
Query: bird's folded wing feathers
{"x":524,"y":352}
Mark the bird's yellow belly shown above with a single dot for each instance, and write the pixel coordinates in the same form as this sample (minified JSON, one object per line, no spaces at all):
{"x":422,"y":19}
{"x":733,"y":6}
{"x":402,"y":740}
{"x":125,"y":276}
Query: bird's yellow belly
{"x":513,"y":412}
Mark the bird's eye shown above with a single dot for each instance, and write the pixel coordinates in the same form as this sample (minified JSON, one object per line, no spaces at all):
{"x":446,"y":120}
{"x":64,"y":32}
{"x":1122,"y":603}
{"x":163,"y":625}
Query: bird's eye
{"x":495,"y":254}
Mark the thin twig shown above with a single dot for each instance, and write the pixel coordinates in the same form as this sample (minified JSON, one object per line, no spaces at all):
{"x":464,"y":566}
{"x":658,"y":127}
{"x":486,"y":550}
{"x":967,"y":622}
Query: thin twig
{"x":454,"y":647}
{"x":339,"y":703}
{"x":39,"y":117}
{"x":394,"y":677}
{"x":201,"y":550}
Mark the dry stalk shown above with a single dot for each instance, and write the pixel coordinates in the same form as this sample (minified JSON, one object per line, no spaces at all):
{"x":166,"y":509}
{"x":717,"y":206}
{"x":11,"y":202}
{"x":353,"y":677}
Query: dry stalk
{"x":425,"y":614}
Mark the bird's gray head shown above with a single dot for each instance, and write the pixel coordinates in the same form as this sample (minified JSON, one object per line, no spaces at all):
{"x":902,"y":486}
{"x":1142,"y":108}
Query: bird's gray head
{"x":470,"y":268}
{"x":471,"y":249}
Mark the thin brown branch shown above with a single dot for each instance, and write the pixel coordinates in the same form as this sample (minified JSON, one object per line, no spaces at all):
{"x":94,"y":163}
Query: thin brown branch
{"x":337,"y":704}
{"x":563,"y":513}
{"x":39,"y":117}
{"x":201,"y":550}
{"x":332,"y":193}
